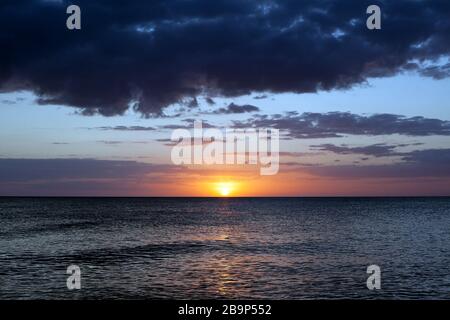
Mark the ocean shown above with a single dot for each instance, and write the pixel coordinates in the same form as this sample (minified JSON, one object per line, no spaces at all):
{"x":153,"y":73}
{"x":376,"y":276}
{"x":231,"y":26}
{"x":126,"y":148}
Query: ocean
{"x":225,"y":248}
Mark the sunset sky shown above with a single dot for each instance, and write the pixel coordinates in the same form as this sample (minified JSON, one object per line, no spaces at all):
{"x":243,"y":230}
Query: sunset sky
{"x":90,"y":112}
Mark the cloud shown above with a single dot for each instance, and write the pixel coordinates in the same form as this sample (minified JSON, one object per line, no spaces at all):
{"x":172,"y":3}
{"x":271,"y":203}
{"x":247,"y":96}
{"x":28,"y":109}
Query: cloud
{"x":420,"y":163}
{"x":26,"y":170}
{"x":110,"y":142}
{"x":186,"y":142}
{"x":376,"y":150}
{"x":234,"y":109}
{"x":114,"y":142}
{"x":210,"y":101}
{"x":438,"y":157}
{"x":436,"y":72}
{"x":91,"y":177}
{"x":147,"y":55}
{"x":8,"y":102}
{"x":260,"y":97}
{"x":189,"y":125}
{"x":127,"y":128}
{"x":193,"y":103}
{"x":337,"y":124}
{"x":81,"y":177}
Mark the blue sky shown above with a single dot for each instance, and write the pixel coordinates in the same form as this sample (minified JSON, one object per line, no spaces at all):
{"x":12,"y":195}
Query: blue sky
{"x":29,"y":129}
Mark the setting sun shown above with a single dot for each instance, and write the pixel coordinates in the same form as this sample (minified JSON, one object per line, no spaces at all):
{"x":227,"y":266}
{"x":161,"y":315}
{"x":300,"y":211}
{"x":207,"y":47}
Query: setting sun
{"x":225,"y":188}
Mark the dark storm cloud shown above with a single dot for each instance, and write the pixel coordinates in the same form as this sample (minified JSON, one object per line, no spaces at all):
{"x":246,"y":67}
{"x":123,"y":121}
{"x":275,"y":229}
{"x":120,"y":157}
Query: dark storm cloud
{"x":337,"y":124}
{"x":235,"y":109}
{"x":150,"y":54}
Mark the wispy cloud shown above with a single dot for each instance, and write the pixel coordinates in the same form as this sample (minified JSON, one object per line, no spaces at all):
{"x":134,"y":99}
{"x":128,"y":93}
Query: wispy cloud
{"x":376,"y":150}
{"x":420,"y":163}
{"x":127,"y":128}
{"x":338,"y":124}
{"x":236,"y":109}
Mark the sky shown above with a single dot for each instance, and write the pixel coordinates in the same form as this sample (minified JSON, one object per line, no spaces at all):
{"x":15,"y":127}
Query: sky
{"x":90,"y":112}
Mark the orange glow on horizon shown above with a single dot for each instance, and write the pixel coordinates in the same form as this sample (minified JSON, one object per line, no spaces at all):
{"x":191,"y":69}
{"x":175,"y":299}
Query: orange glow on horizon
{"x":246,"y":182}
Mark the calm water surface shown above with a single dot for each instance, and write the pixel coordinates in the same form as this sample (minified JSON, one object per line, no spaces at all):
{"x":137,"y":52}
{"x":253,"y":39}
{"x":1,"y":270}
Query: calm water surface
{"x":285,"y":248}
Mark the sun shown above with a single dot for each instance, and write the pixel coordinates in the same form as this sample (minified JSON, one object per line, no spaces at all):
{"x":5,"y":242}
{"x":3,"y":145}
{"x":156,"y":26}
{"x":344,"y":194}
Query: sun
{"x":225,"y":189}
